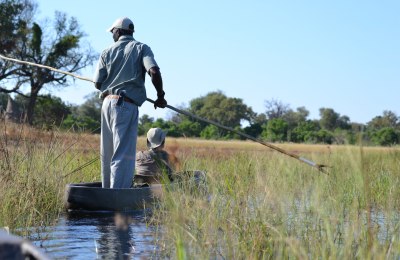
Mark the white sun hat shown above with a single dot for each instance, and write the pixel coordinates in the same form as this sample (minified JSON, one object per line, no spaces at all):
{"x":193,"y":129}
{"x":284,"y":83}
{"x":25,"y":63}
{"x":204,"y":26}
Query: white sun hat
{"x":155,"y":137}
{"x":122,"y":23}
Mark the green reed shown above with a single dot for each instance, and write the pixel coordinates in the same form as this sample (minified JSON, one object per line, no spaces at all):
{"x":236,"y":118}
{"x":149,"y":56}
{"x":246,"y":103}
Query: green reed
{"x":33,"y":166}
{"x":263,"y":205}
{"x":257,"y":204}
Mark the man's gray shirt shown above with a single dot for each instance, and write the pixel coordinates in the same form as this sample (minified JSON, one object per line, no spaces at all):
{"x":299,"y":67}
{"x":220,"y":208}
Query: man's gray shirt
{"x":123,"y":67}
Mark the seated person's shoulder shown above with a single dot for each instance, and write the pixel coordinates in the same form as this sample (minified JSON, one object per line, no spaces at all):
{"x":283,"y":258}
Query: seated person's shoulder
{"x":143,"y":155}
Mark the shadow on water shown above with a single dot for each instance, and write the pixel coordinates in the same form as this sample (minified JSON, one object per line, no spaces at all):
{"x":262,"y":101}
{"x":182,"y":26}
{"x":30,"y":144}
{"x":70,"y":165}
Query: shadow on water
{"x":86,"y":235}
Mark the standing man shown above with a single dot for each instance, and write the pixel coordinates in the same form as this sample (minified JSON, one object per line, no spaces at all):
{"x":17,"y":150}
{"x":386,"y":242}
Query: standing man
{"x":120,"y":76}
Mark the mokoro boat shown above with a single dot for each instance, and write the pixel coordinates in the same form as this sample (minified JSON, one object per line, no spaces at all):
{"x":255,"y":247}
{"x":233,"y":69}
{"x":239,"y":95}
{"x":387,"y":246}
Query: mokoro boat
{"x":92,"y":197}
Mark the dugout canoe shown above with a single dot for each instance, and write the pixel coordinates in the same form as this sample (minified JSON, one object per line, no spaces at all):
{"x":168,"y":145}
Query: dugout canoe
{"x":92,"y":197}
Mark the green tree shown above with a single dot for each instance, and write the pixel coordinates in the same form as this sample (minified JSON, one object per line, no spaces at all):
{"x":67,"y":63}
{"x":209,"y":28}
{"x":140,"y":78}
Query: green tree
{"x":189,"y":128}
{"x":85,"y":117}
{"x":293,"y":118}
{"x":14,"y":16}
{"x":218,"y":107}
{"x":171,"y":127}
{"x":231,"y":135}
{"x":387,"y":119}
{"x":343,"y":122}
{"x":381,"y":130}
{"x":320,"y":136}
{"x":386,"y":136}
{"x":82,"y":124}
{"x":324,"y":136}
{"x":160,"y":123}
{"x":260,"y":119}
{"x":91,"y":107}
{"x":146,"y":119}
{"x":145,"y":123}
{"x":63,"y":49}
{"x":329,"y":118}
{"x":210,"y":132}
{"x":254,"y":130}
{"x":50,"y":111}
{"x":256,"y":126}
{"x":276,"y":130}
{"x":304,"y":131}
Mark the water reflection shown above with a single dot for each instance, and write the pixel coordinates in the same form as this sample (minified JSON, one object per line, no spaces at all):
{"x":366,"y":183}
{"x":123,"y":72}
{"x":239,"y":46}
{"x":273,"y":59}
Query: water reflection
{"x":99,"y":235}
{"x":115,"y":238}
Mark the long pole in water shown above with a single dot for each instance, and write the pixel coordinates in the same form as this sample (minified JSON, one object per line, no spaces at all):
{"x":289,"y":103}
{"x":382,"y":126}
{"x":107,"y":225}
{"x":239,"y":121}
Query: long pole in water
{"x":319,"y":167}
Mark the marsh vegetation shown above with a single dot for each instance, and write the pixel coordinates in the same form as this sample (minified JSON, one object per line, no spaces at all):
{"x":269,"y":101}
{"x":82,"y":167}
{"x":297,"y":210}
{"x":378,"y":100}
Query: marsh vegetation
{"x":257,"y":204}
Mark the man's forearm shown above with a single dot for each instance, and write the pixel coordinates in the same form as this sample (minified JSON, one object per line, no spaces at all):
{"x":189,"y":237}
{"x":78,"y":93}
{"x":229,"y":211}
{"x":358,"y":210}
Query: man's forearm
{"x":156,"y":79}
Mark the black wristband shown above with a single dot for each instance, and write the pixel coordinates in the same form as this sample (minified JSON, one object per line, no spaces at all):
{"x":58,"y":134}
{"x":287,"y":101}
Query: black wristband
{"x":161,"y":94}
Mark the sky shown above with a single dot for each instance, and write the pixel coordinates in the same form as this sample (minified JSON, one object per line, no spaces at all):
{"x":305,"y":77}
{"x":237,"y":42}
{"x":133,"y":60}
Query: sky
{"x":338,"y":54}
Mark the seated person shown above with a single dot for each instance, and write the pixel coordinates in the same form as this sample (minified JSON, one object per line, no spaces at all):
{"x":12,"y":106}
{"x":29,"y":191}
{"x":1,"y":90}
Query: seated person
{"x":152,"y":165}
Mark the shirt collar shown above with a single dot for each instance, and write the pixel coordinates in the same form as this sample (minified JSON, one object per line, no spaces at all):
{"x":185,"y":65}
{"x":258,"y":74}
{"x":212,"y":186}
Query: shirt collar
{"x":126,"y":37}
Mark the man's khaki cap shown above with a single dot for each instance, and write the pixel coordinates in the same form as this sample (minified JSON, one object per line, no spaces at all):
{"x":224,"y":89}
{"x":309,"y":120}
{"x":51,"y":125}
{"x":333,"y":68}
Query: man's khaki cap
{"x":122,"y":23}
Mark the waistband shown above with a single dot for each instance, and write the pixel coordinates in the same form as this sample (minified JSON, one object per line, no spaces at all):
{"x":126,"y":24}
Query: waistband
{"x":126,"y":99}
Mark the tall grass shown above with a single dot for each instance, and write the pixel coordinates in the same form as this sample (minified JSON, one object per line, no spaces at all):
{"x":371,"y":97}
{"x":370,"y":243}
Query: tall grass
{"x":263,"y":205}
{"x":33,"y":166}
{"x":257,"y":204}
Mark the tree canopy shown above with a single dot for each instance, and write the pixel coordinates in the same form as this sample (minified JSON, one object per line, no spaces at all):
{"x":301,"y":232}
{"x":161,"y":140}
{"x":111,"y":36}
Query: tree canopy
{"x":59,"y":46}
{"x":218,"y":107}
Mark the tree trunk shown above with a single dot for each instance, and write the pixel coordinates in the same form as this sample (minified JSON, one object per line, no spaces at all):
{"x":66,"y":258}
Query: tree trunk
{"x":31,"y":107}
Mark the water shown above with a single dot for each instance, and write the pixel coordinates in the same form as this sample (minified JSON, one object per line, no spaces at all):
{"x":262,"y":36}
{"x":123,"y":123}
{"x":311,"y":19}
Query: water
{"x":98,"y":236}
{"x":126,"y":236}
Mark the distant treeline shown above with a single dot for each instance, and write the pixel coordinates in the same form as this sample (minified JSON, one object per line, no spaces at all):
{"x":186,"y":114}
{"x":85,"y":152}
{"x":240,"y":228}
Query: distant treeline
{"x":279,"y":123}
